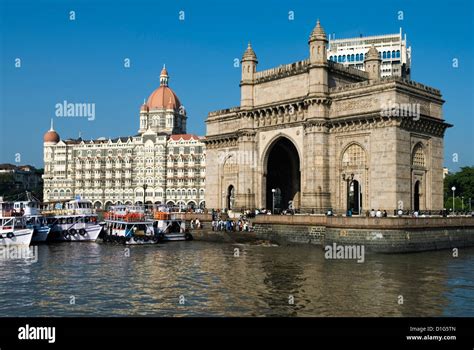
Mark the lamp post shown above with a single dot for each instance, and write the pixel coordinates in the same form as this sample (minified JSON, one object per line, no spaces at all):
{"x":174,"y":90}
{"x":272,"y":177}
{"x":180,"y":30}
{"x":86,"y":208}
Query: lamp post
{"x":454,"y":190}
{"x":273,"y":200}
{"x":462,"y":203}
{"x":145,"y":186}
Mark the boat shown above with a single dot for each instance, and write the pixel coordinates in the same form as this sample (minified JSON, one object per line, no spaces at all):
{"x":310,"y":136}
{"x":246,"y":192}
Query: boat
{"x":72,"y":221}
{"x":169,"y":227}
{"x":30,"y":210}
{"x":13,"y":229}
{"x":127,"y":224}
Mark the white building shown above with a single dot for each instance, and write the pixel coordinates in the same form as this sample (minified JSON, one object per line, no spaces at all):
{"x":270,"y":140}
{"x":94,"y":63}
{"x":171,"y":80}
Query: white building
{"x":162,"y":164}
{"x":393,"y":49}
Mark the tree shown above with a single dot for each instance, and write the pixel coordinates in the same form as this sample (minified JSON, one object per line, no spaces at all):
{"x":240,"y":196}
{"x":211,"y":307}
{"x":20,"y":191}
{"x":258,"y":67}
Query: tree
{"x":463,"y":180}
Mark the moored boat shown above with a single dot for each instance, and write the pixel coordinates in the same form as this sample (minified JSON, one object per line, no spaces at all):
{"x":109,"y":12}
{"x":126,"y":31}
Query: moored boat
{"x":13,"y":230}
{"x":128,"y":225}
{"x":169,"y":227}
{"x":30,"y":210}
{"x":72,"y":221}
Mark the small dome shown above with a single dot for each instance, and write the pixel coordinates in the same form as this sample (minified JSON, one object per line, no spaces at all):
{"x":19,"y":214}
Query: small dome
{"x":372,"y":53}
{"x":51,"y":136}
{"x":144,"y":108}
{"x":318,"y":33}
{"x":249,"y":54}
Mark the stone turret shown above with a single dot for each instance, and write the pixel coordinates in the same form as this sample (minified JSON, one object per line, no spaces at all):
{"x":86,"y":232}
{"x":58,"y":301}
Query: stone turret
{"x":318,"y":74}
{"x":249,"y":67}
{"x":372,"y":63}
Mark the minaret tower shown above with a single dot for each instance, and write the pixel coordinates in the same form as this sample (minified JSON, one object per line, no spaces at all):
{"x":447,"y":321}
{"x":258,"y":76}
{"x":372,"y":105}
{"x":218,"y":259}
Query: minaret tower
{"x":249,"y":68}
{"x":372,"y":64}
{"x":318,"y":66}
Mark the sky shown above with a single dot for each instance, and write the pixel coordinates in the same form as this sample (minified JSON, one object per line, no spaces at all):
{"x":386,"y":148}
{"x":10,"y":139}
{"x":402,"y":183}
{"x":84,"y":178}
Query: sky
{"x":84,"y":60}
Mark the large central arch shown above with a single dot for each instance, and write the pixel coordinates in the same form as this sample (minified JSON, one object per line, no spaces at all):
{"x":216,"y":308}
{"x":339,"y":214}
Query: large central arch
{"x":282,"y":174}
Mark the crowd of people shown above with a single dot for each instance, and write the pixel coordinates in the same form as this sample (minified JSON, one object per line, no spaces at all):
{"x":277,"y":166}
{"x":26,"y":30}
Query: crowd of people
{"x":219,"y":223}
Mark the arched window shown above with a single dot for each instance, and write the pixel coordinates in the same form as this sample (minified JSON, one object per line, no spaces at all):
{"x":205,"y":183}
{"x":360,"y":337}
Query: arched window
{"x":388,"y":54}
{"x":398,"y":53}
{"x":354,"y":156}
{"x":418,"y":158}
{"x":393,"y":54}
{"x":352,"y":58}
{"x":384,"y":54}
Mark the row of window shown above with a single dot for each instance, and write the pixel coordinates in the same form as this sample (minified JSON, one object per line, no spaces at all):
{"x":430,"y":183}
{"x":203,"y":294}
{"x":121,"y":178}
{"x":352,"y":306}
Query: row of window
{"x":360,"y":57}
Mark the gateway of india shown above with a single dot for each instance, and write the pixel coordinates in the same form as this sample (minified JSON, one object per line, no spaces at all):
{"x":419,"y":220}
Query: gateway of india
{"x":316,"y":135}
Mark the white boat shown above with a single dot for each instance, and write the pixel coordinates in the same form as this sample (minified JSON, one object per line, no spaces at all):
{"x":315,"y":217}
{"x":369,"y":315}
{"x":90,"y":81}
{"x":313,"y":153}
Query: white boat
{"x":30,"y":210}
{"x":72,"y":221}
{"x":127,"y":225}
{"x":13,"y":230}
{"x":169,"y":227}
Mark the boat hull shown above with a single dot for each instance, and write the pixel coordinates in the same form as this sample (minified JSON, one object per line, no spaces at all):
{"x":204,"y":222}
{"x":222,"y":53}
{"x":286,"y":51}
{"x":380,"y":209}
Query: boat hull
{"x":21,"y":237}
{"x":40,"y":234}
{"x":90,"y":234}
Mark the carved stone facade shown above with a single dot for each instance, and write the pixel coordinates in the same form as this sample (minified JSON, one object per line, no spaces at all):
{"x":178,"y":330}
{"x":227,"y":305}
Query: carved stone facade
{"x":160,"y":165}
{"x":316,"y":135}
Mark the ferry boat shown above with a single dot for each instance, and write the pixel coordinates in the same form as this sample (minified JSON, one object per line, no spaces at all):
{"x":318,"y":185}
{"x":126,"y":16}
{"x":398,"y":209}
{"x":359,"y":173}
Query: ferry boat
{"x":169,"y":227}
{"x":30,"y":210}
{"x":72,"y":221}
{"x":128,"y":224}
{"x":13,"y":230}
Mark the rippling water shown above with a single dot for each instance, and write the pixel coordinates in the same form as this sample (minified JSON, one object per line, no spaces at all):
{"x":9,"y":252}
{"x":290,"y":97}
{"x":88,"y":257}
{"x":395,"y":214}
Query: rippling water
{"x":260,"y":282}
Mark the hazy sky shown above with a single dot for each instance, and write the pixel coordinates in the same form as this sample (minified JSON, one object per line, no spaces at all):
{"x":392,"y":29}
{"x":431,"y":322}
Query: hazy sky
{"x":83,"y":60}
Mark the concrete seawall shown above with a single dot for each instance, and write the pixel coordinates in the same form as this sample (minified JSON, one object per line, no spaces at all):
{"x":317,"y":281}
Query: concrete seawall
{"x":387,"y":235}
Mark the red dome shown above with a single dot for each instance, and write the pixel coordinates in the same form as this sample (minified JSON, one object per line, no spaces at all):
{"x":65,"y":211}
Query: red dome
{"x":51,"y":136}
{"x":163,"y":97}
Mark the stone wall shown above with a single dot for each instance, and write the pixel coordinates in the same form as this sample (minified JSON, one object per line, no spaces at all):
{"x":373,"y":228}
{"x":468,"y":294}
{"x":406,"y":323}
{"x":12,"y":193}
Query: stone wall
{"x":385,"y":235}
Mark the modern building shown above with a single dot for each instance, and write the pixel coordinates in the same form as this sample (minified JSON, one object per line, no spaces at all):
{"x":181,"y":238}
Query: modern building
{"x":393,"y":50}
{"x":162,"y":164}
{"x":316,"y":134}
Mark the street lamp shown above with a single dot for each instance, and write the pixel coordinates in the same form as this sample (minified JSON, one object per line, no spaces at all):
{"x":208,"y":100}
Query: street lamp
{"x":273,"y":200}
{"x":145,"y":186}
{"x":454,"y":190}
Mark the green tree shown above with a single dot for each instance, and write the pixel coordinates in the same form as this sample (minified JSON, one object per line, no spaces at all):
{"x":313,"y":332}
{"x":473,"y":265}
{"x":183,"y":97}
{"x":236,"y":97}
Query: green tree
{"x":463,"y":180}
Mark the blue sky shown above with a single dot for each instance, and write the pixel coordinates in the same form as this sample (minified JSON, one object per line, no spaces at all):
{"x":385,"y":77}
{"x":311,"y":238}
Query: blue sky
{"x":83,"y":60}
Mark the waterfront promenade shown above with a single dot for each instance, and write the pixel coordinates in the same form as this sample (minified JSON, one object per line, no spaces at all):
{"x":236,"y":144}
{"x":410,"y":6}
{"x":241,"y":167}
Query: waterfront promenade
{"x":386,"y":234}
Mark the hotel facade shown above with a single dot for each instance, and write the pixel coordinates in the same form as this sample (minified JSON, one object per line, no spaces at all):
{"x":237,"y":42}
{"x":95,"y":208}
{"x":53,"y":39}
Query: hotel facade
{"x":162,"y":164}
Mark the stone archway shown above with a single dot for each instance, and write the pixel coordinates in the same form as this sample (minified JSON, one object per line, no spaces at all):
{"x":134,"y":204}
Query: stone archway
{"x":282,"y":175}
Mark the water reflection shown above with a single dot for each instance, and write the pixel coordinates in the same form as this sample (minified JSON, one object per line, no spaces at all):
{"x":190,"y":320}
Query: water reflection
{"x":205,"y":279}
